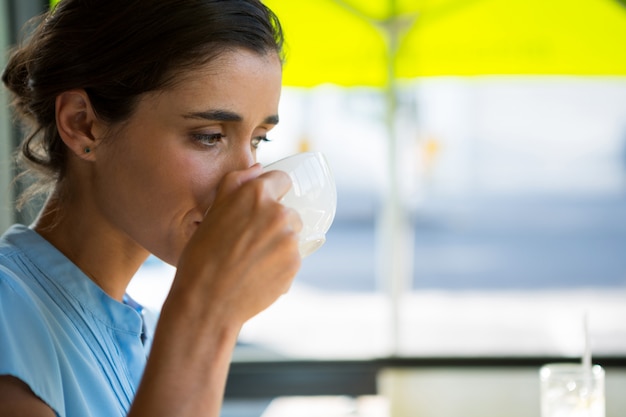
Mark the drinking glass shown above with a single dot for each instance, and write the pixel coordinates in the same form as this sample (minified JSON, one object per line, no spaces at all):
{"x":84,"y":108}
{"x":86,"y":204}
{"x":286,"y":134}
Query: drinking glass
{"x":571,"y":390}
{"x":313,"y":195}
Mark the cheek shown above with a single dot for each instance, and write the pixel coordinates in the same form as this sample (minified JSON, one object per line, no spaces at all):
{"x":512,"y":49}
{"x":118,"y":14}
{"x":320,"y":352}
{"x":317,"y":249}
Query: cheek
{"x":199,"y":175}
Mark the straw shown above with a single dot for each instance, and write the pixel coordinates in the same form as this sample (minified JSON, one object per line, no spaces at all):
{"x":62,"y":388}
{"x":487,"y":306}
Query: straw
{"x":587,"y":351}
{"x":586,"y":360}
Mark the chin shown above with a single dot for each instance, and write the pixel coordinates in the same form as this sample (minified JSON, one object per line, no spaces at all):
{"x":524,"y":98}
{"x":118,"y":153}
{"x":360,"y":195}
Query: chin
{"x":168,"y":258}
{"x":171,"y":253}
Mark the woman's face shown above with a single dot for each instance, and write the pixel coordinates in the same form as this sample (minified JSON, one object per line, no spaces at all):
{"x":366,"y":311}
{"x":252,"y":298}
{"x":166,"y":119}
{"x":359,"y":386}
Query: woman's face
{"x":155,"y":179}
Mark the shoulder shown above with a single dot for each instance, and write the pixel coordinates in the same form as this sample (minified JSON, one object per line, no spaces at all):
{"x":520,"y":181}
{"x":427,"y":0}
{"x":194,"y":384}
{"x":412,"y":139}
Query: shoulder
{"x":11,"y":255}
{"x":27,"y":349}
{"x":22,"y":301}
{"x":12,"y":284}
{"x":17,"y":299}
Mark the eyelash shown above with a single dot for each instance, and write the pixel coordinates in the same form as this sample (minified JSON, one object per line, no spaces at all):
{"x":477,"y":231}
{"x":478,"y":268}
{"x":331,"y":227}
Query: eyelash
{"x":256,"y":141}
{"x":212,"y":138}
{"x":208,"y":139}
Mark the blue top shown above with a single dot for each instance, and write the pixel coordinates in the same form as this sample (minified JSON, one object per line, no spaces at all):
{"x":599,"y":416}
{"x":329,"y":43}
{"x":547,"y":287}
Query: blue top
{"x":78,"y":349}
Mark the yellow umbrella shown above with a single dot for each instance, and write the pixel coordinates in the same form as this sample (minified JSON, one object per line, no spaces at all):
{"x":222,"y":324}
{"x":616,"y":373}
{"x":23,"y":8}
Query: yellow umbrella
{"x":363,"y":43}
{"x":356,"y":42}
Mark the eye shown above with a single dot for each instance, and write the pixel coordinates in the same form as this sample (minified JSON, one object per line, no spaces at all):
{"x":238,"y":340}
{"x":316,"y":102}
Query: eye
{"x":208,"y":139}
{"x":256,"y":141}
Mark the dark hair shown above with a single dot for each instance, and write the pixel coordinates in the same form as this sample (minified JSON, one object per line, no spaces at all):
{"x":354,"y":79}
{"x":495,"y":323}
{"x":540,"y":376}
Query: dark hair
{"x":117,"y":50}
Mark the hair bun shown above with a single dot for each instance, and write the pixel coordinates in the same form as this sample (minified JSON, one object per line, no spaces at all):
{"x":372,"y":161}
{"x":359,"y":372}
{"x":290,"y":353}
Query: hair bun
{"x":16,"y":77}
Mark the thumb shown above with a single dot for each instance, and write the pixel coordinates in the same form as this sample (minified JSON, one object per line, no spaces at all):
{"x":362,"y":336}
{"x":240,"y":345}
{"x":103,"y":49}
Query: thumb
{"x":235,"y":179}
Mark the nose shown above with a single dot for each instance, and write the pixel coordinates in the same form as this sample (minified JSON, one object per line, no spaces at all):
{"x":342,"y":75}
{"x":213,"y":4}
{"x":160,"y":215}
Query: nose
{"x":244,"y":157}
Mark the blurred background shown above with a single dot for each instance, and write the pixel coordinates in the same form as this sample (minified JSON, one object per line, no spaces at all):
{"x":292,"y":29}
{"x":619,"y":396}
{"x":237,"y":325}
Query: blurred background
{"x":480,"y":154}
{"x":479,"y":149}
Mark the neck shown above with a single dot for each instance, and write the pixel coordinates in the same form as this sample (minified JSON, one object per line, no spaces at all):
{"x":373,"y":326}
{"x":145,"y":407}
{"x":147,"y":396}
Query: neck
{"x":105,"y":254}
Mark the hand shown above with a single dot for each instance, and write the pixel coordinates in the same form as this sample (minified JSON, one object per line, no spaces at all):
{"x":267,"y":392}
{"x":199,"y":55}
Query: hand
{"x":244,"y":255}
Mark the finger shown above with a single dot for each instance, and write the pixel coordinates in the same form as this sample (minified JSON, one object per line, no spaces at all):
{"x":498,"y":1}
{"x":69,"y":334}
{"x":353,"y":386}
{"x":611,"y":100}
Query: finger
{"x":236,"y":179}
{"x":279,"y":183}
{"x":294,"y":220}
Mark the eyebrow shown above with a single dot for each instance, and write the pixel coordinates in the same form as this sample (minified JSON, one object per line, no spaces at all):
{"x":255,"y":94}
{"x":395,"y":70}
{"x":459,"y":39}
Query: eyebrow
{"x":226,"y":116}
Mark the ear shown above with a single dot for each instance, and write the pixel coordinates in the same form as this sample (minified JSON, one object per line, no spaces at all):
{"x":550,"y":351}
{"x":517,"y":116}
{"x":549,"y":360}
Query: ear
{"x":77,"y":123}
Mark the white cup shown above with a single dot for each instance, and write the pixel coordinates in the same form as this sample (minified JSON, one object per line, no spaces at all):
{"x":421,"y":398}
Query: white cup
{"x":571,"y":390}
{"x":313,"y":195}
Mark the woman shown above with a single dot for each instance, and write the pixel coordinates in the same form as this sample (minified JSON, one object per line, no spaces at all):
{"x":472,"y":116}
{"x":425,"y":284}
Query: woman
{"x":146,"y":116}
